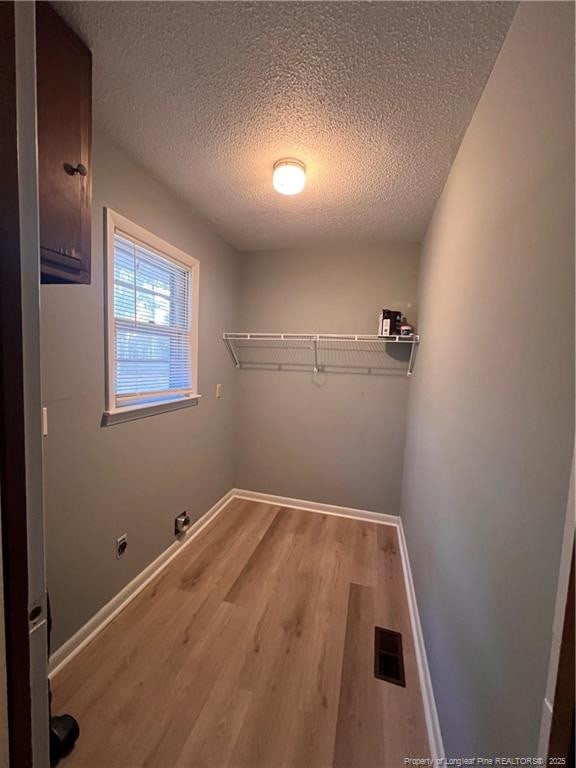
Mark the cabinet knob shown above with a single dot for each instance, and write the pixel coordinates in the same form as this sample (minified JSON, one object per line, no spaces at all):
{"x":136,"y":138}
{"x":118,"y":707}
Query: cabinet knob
{"x":79,"y":169}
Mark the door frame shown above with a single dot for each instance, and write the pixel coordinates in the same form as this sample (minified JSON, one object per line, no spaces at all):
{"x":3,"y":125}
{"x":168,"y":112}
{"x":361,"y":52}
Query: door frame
{"x":561,"y":740}
{"x":20,"y":395}
{"x":559,"y":688}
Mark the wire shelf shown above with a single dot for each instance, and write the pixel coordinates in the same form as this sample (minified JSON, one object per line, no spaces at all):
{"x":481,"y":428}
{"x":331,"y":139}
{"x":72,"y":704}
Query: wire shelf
{"x":318,"y":352}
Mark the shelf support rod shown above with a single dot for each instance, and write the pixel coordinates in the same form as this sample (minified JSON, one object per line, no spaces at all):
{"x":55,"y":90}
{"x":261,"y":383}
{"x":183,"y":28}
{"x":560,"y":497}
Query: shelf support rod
{"x":232,"y":351}
{"x":412,"y":355}
{"x":315,"y":355}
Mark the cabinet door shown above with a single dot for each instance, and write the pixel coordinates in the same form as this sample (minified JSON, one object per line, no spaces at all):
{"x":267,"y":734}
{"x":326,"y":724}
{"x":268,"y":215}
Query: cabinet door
{"x":64,"y":80}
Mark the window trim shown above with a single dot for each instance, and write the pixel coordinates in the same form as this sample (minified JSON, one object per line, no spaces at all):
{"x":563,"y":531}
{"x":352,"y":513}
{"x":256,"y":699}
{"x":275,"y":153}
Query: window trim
{"x":113,"y":414}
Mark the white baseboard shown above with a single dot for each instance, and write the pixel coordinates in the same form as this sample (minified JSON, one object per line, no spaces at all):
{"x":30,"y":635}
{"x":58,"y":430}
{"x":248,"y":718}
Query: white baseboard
{"x":96,"y":624}
{"x":430,"y":711}
{"x":317,"y":506}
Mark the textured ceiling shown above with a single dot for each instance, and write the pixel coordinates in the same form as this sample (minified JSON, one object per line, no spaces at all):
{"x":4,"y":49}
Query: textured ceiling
{"x":373,"y":97}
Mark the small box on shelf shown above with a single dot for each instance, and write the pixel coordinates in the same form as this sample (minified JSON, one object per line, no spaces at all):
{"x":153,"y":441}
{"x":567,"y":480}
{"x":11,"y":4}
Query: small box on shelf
{"x":390,"y":323}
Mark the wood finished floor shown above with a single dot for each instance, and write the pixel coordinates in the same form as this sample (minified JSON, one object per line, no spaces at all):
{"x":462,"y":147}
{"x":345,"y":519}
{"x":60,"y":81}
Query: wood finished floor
{"x":253,"y":649}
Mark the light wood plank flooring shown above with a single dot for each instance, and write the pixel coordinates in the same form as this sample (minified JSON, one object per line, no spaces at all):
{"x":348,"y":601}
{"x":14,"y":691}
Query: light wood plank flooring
{"x":254,"y":649}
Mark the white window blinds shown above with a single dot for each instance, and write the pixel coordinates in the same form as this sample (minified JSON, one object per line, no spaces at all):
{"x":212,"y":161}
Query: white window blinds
{"x":152,"y":334}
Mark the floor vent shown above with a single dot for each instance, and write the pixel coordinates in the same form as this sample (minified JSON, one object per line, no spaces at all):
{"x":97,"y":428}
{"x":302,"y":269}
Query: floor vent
{"x":388,"y":658}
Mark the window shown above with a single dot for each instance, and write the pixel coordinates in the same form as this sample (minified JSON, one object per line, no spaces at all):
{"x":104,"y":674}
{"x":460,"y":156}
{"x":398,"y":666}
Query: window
{"x":152,"y":323}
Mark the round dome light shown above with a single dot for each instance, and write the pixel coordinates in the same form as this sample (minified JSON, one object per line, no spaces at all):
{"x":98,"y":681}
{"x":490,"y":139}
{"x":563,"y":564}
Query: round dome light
{"x":289,"y":177}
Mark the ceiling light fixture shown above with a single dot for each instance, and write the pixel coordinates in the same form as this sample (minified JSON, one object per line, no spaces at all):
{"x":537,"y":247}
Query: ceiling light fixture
{"x":289,"y":176}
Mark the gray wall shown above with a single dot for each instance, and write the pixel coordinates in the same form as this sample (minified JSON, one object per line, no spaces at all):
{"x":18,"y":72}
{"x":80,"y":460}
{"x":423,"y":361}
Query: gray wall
{"x":491,"y":411}
{"x":336,"y":438}
{"x":134,"y":477}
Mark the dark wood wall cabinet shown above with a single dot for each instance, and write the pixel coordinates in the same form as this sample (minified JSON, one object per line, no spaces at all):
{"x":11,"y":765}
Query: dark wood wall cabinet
{"x":64,"y":81}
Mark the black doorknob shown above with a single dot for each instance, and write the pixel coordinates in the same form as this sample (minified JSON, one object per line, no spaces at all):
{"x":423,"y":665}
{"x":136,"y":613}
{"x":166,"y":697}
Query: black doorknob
{"x":79,"y":169}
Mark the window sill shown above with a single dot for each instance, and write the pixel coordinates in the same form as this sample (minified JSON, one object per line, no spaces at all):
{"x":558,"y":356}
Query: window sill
{"x":131,"y":413}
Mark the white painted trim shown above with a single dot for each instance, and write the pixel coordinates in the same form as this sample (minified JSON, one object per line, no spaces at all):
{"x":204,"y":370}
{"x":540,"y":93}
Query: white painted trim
{"x":430,"y":711}
{"x":114,"y":222}
{"x":96,"y":624}
{"x":60,"y":658}
{"x":545,"y":728}
{"x":317,"y":506}
{"x":121,"y":415}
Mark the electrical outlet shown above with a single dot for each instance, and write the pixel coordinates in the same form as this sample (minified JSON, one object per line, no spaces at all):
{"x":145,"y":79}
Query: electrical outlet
{"x":121,"y":545}
{"x":181,"y":523}
{"x":218,"y":391}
